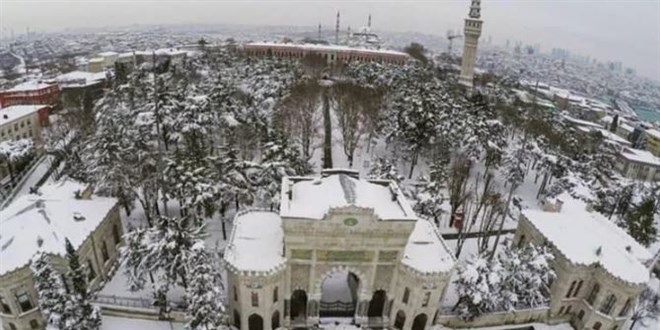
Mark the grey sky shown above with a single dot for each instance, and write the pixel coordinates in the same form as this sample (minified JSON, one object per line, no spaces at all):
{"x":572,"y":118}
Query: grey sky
{"x":625,"y":30}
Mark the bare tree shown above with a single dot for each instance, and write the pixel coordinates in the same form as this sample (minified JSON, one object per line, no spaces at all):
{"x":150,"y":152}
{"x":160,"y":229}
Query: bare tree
{"x":349,"y":100}
{"x":298,"y":114}
{"x":457,"y":182}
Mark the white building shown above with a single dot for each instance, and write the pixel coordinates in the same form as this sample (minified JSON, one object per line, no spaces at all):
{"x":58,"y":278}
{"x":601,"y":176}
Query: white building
{"x":600,"y":268}
{"x":41,"y":223}
{"x":638,"y":164}
{"x":340,"y":247}
{"x":472,"y":32}
{"x":23,"y":122}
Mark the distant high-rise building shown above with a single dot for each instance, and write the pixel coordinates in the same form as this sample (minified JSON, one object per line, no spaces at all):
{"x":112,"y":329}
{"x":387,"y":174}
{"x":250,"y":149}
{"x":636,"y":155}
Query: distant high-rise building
{"x":472,"y":32}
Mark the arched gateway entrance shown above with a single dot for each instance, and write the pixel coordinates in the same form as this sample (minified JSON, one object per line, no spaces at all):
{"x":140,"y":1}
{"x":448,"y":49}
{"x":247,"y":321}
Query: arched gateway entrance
{"x":339,"y":295}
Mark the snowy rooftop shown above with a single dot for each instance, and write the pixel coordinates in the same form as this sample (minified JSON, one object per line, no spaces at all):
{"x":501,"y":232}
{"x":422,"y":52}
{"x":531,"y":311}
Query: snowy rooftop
{"x":42,"y":222}
{"x":426,"y":251}
{"x":256,"y":242}
{"x":589,"y":238}
{"x":29,"y":86}
{"x":80,"y":78}
{"x":14,"y":112}
{"x":108,"y":54}
{"x":319,"y":47}
{"x":654,"y":133}
{"x":640,"y":156}
{"x":581,"y":122}
{"x":312,"y":198}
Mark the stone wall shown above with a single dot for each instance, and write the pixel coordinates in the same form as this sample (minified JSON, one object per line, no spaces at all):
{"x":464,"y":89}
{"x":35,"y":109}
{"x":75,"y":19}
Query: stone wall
{"x":494,"y":319}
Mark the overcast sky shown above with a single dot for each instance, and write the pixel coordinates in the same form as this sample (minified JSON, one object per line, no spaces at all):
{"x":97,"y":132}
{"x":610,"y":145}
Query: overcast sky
{"x":625,"y":30}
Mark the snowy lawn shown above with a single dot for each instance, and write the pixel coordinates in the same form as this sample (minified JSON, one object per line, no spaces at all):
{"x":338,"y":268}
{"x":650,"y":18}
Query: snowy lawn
{"x":121,"y":323}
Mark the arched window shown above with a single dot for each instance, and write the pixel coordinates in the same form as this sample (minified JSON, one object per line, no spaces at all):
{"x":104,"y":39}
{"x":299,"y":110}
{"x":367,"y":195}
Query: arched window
{"x":406,"y":296}
{"x":275,"y":320}
{"x":255,"y":322}
{"x":400,"y":320}
{"x":91,"y":274}
{"x":577,"y":290}
{"x":298,"y":304}
{"x":427,"y":297}
{"x":237,"y":319}
{"x":597,"y":326}
{"x":104,"y":252}
{"x":608,"y":304}
{"x":419,"y":323}
{"x":593,"y":294}
{"x":580,"y":315}
{"x":255,"y":299}
{"x":570,"y":290}
{"x":626,"y":308}
{"x":377,"y":304}
{"x":275,"y":295}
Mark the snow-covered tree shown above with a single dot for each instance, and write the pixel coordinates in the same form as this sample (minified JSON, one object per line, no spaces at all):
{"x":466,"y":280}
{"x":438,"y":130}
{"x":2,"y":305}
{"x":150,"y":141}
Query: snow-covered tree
{"x":477,"y":287}
{"x":385,"y":169}
{"x":50,"y":289}
{"x":79,"y":313}
{"x":204,"y":294}
{"x":528,"y":274}
{"x":640,"y":222}
{"x":647,"y":308}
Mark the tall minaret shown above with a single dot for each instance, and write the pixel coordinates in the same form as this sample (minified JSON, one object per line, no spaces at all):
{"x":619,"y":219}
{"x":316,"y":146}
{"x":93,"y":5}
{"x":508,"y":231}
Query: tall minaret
{"x":472,"y":32}
{"x":337,"y":30}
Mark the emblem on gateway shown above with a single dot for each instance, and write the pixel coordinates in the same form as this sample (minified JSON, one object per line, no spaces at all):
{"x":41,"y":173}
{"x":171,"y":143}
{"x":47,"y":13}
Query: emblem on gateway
{"x":350,"y":221}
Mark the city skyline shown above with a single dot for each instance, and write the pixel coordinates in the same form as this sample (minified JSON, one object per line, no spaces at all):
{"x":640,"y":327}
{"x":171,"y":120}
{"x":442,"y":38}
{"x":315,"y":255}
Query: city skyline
{"x":609,"y":31}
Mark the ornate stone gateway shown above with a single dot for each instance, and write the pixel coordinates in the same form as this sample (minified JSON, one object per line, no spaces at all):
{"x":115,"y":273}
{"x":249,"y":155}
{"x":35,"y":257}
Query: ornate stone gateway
{"x":339,"y":247}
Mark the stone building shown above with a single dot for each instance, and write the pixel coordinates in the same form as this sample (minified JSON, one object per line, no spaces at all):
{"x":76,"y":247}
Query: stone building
{"x":330,"y":53}
{"x":42,"y":222}
{"x":600,"y":268}
{"x":392,"y":268}
{"x":638,"y":164}
{"x":472,"y":32}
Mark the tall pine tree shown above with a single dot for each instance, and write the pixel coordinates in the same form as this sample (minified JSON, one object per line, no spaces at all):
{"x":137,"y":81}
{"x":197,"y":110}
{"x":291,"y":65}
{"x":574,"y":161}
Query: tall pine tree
{"x":50,"y":289}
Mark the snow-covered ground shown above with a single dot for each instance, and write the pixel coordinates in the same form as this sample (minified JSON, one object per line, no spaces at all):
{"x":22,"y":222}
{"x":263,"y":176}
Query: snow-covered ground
{"x":335,"y":288}
{"x":121,"y":323}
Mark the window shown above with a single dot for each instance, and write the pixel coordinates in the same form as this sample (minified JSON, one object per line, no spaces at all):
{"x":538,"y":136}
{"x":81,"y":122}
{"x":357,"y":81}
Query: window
{"x":91,"y":274}
{"x":626,"y":307}
{"x":577,"y":290}
{"x":5,"y":307}
{"x":406,"y":295}
{"x":593,"y":294}
{"x":608,"y":304}
{"x":12,"y":326}
{"x":64,"y":282}
{"x":427,"y":297}
{"x":570,"y":290}
{"x":235,"y":294}
{"x":597,"y":326}
{"x":115,"y":234}
{"x":521,"y":241}
{"x":24,"y":301}
{"x":615,"y":327}
{"x":568,"y":310}
{"x":255,"y":299}
{"x":104,"y":252}
{"x":580,"y":315}
{"x":275,"y":295}
{"x":34,"y":324}
{"x":561,"y":310}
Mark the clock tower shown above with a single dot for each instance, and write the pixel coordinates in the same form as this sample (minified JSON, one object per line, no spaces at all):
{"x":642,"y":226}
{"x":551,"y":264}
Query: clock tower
{"x":472,"y":31}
